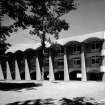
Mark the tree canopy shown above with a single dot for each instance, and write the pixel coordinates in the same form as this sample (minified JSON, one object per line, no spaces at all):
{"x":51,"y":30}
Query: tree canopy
{"x":43,"y":15}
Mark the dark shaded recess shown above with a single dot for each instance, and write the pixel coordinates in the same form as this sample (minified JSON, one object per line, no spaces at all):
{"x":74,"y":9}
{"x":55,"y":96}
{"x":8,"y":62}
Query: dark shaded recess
{"x":46,"y":76}
{"x":95,"y":76}
{"x":59,"y":75}
{"x":17,"y":86}
{"x":73,"y":75}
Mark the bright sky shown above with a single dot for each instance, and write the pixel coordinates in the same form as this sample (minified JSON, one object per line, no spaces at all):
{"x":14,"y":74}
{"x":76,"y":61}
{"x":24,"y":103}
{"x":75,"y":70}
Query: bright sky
{"x":88,"y":18}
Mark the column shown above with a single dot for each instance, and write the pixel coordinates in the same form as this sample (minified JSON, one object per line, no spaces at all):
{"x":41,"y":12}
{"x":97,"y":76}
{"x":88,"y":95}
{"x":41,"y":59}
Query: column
{"x":8,"y":73}
{"x":17,"y":73}
{"x":51,"y":72}
{"x":66,"y":72}
{"x":83,"y":66}
{"x":38,"y":72}
{"x":1,"y":73}
{"x":103,"y":61}
{"x":103,"y":68}
{"x":27,"y":73}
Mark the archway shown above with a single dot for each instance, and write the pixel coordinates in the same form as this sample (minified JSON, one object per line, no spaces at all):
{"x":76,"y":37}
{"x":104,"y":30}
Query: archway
{"x":75,"y":75}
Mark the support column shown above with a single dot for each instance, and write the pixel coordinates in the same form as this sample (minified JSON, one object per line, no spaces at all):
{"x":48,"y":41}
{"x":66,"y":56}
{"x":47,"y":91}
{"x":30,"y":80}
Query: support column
{"x":17,"y":73}
{"x":51,"y":72}
{"x":103,"y":61}
{"x":66,"y":72}
{"x":38,"y":72}
{"x":83,"y":66}
{"x":1,"y":73}
{"x":8,"y":73}
{"x":27,"y":73}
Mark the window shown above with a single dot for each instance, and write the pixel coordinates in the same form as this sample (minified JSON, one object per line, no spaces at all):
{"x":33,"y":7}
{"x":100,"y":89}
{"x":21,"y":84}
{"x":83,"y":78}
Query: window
{"x":46,"y":52}
{"x":76,"y":61}
{"x":59,"y":51}
{"x":95,"y":60}
{"x":95,"y":45}
{"x":75,"y":49}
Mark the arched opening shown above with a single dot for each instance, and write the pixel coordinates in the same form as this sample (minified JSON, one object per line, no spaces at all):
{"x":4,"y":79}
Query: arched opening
{"x":95,"y":76}
{"x":59,"y":75}
{"x":75,"y":75}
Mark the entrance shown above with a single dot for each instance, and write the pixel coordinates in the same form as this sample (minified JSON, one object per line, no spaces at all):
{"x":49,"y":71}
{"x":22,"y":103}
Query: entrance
{"x":75,"y":75}
{"x":94,"y":76}
{"x":59,"y":75}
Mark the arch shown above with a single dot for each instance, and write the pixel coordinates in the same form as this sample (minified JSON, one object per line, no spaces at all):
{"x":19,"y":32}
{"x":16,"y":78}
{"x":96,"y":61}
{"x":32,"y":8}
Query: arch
{"x":29,"y":50}
{"x":71,"y":43}
{"x":74,"y":75}
{"x":92,"y":39}
{"x":59,"y":75}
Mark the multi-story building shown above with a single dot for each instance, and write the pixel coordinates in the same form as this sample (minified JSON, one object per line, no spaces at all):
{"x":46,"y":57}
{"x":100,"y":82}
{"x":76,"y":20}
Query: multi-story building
{"x":74,"y":58}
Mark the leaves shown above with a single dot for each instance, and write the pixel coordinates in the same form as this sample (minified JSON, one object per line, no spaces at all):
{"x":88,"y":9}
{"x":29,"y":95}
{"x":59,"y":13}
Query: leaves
{"x":43,"y":15}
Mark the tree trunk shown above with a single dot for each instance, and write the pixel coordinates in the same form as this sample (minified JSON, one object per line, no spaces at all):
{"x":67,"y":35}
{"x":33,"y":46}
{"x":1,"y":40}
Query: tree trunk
{"x":43,"y":48}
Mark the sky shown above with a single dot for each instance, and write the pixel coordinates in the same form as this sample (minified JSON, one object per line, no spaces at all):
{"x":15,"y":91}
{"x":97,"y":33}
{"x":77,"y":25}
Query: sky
{"x":88,"y":18}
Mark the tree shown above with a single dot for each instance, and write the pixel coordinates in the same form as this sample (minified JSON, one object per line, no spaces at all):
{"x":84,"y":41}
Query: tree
{"x":45,"y":16}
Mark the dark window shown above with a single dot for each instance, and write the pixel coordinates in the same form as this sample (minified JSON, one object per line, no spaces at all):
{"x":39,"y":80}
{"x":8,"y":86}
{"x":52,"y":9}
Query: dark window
{"x":95,"y":59}
{"x":96,"y":45}
{"x":75,"y":49}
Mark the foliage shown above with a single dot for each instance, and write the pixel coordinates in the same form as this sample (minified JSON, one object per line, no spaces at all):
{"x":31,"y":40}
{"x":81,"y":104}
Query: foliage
{"x":43,"y":15}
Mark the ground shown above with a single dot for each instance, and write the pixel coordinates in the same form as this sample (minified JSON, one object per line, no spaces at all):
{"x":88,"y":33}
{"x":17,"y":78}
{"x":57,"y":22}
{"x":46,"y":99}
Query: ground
{"x":52,"y":90}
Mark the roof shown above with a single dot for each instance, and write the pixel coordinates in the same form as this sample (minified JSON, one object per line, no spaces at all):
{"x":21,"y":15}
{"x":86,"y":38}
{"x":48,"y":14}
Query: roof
{"x":79,"y":38}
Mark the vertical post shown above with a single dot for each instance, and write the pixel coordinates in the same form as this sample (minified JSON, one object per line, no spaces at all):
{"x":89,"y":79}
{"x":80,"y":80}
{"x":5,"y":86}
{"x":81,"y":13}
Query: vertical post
{"x":27,"y":73}
{"x":83,"y":66}
{"x":51,"y":73}
{"x":103,"y":61}
{"x":8,"y":73}
{"x":66,"y":72}
{"x":1,"y":73}
{"x":38,"y":72}
{"x":17,"y":73}
{"x":103,"y":68}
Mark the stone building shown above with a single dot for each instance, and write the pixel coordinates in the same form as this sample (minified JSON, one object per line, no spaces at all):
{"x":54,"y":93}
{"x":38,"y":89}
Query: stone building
{"x":74,"y":58}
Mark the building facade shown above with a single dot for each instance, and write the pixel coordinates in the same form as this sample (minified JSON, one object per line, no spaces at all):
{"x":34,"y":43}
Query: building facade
{"x":74,"y":58}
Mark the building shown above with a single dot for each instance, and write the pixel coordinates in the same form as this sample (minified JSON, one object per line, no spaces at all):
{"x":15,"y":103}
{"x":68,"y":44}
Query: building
{"x":74,"y":58}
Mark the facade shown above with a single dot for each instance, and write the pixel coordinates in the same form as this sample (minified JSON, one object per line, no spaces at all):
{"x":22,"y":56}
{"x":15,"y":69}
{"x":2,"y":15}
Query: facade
{"x":74,"y":58}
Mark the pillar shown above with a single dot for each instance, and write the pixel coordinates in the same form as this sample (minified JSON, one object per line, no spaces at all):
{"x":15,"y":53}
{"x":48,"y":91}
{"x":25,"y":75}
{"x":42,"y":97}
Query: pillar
{"x":103,"y":62}
{"x":1,"y":73}
{"x":83,"y":65}
{"x":27,"y":73}
{"x":8,"y":73}
{"x":38,"y":72}
{"x":17,"y":73}
{"x":66,"y":72}
{"x":51,"y":71}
